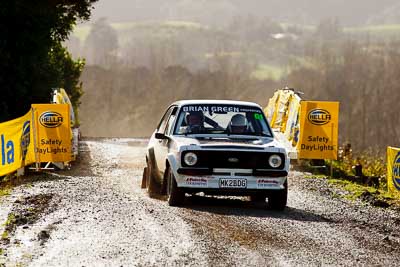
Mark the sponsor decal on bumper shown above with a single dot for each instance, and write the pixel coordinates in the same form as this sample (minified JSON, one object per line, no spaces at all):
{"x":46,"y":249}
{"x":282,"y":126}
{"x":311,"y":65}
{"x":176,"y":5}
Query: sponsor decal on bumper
{"x":196,"y":181}
{"x":265,"y":183}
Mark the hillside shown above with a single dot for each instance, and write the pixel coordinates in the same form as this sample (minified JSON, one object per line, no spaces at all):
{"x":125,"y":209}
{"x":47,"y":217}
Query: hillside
{"x":219,"y":12}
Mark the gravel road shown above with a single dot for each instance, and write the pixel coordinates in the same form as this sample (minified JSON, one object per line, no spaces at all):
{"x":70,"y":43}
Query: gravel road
{"x":96,"y":215}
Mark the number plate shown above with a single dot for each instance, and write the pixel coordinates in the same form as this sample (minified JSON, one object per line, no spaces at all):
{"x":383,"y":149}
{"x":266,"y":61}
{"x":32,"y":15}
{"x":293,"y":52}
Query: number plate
{"x":232,"y":183}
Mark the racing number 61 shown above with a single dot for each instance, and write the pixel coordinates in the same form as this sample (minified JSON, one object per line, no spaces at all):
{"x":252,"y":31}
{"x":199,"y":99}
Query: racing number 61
{"x":258,"y":116}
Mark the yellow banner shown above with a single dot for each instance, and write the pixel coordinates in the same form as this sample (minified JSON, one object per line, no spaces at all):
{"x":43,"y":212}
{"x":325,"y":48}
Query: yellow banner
{"x":53,"y":132}
{"x":280,"y":117}
{"x":271,"y":108}
{"x":61,"y":97}
{"x":393,"y":170}
{"x":15,"y":144}
{"x":319,"y":130}
{"x":292,"y":123}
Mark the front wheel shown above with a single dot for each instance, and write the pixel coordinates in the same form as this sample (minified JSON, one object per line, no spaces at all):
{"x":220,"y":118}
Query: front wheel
{"x":258,"y":198}
{"x":176,"y":196}
{"x":278,"y":199}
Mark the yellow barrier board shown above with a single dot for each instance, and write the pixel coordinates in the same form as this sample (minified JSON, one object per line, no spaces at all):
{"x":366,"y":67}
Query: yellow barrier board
{"x":292,"y":123}
{"x":63,"y":98}
{"x":280,"y":118}
{"x":319,"y":130}
{"x":53,"y":132}
{"x":393,"y":170}
{"x":15,"y":142}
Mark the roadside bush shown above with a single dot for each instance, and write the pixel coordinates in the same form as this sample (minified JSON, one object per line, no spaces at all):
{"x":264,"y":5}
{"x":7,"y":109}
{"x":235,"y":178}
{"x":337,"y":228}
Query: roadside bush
{"x":372,"y":162}
{"x":32,"y":59}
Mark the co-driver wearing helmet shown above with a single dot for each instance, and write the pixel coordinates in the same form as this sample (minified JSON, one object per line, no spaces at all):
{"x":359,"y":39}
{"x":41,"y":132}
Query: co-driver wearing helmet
{"x":238,"y":124}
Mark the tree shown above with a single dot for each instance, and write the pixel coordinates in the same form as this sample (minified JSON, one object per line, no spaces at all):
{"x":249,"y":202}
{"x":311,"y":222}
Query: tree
{"x":30,"y":48}
{"x":102,"y":43}
{"x":329,"y":29}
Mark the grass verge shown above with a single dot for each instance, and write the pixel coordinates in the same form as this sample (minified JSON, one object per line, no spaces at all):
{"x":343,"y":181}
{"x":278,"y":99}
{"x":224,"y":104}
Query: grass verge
{"x":367,"y":193}
{"x":377,"y":197}
{"x":5,"y":191}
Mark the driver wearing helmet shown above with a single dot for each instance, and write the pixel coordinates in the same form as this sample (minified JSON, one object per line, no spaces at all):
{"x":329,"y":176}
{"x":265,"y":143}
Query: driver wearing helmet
{"x":238,"y":124}
{"x":195,"y":122}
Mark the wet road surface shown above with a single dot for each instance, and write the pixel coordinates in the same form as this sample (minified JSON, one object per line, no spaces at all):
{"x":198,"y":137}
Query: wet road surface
{"x":96,"y":215}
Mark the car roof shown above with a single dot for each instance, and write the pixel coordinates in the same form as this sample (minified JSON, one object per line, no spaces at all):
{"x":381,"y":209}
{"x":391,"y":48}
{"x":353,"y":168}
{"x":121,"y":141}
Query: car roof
{"x":215,"y":102}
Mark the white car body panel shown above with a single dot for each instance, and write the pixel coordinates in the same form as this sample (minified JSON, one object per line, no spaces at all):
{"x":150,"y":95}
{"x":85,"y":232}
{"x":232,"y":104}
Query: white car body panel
{"x":177,"y":144}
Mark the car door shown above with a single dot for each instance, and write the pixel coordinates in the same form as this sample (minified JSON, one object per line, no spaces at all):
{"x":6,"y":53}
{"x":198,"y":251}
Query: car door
{"x":161,"y":145}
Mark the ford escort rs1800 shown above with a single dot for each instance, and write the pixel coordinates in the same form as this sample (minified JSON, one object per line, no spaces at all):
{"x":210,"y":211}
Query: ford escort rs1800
{"x":217,"y":147}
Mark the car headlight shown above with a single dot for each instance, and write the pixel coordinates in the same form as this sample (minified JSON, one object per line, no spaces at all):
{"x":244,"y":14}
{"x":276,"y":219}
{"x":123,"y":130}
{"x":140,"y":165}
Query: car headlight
{"x":275,"y":161}
{"x":190,"y":159}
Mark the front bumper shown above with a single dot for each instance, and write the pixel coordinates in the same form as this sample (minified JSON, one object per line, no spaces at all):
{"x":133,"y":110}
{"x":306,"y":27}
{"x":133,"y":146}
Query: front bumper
{"x":210,"y":180}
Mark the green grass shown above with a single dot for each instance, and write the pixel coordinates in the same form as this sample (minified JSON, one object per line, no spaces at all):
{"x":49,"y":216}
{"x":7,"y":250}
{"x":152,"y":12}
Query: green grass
{"x":184,"y":24}
{"x":165,"y":24}
{"x":276,"y":72}
{"x":315,"y":176}
{"x":355,"y":191}
{"x":268,"y":72}
{"x":9,"y":226}
{"x":82,"y":31}
{"x":4,"y":235}
{"x":5,"y":191}
{"x":224,"y":54}
{"x":376,"y":30}
{"x":10,"y":219}
{"x":384,"y":30}
{"x":303,"y":27}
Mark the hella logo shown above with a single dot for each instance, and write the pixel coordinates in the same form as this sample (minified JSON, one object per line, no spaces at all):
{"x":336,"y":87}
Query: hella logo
{"x":233,"y":160}
{"x":319,"y":116}
{"x":396,"y":172}
{"x":51,"y":119}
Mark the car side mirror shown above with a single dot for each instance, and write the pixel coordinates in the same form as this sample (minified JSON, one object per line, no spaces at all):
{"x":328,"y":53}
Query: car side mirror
{"x":160,"y":136}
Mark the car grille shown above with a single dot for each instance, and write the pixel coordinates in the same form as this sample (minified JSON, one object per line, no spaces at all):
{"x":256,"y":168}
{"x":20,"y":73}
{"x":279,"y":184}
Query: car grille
{"x":233,"y":159}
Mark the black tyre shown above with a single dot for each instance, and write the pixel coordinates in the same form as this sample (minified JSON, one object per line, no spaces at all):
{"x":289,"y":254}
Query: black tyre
{"x":176,"y":196}
{"x":277,"y":200}
{"x":144,"y":178}
{"x":258,"y":198}
{"x":151,"y":185}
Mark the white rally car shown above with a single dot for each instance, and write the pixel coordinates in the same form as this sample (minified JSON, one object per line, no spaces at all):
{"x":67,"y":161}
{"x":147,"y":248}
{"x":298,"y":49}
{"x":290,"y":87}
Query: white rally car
{"x":218,"y":147}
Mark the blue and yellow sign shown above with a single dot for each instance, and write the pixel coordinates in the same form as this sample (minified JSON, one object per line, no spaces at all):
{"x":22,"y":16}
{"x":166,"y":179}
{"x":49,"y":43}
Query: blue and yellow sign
{"x":42,"y":135}
{"x":393,"y":169}
{"x":16,"y":148}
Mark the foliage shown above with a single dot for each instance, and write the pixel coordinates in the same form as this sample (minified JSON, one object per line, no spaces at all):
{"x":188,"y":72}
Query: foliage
{"x":385,"y":30}
{"x":329,"y":29}
{"x":265,"y":72}
{"x":357,"y":191}
{"x":32,"y":32}
{"x":364,"y":77}
{"x":5,"y":191}
{"x":65,"y":73}
{"x":4,"y":235}
{"x":373,"y":164}
{"x":246,"y":59}
{"x":10,"y":220}
{"x":103,"y":41}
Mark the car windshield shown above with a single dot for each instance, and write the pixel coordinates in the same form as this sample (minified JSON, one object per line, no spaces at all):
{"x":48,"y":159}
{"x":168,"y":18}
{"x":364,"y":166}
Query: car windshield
{"x":222,"y":119}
